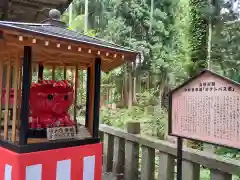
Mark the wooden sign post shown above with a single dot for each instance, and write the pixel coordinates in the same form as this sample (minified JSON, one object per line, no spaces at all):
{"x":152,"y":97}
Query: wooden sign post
{"x":205,"y":108}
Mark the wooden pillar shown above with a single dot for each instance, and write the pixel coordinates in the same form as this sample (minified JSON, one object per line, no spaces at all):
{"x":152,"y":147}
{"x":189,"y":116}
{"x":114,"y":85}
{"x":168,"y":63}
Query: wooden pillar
{"x":15,"y":102}
{"x":97,"y":89}
{"x":53,"y":73}
{"x":75,"y":95}
{"x":132,"y":153}
{"x":166,"y":166}
{"x":19,"y":91}
{"x":218,"y":175}
{"x":148,"y":163}
{"x":91,"y":99}
{"x":1,"y":88}
{"x":7,"y":103}
{"x":108,"y":143}
{"x":118,"y":157}
{"x":40,"y":72}
{"x":65,"y":72}
{"x":87,"y":97}
{"x":190,"y":170}
{"x":27,"y":61}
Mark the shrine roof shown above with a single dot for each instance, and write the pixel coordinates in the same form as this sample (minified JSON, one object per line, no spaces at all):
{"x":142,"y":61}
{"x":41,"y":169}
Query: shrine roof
{"x":60,"y":33}
{"x":54,"y":42}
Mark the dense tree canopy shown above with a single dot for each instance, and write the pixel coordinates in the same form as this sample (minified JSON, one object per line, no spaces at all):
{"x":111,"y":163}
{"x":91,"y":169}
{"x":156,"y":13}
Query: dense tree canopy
{"x":174,"y":39}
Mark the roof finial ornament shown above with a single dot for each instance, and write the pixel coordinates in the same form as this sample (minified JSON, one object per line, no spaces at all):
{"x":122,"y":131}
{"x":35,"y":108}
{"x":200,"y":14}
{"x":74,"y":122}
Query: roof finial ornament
{"x":55,"y":14}
{"x":55,"y":19}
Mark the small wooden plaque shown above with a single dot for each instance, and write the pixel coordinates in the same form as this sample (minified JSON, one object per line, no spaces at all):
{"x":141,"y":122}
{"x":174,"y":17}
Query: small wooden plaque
{"x":57,"y":133}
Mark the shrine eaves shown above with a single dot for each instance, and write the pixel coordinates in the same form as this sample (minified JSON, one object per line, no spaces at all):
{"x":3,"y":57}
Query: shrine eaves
{"x":30,"y":11}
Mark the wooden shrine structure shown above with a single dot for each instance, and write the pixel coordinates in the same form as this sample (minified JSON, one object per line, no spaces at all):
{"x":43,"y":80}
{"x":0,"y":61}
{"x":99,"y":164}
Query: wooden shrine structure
{"x":26,"y":149}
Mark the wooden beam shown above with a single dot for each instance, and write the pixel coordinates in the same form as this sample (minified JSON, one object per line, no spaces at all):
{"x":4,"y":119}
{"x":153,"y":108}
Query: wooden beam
{"x":52,"y":48}
{"x":108,"y":66}
{"x":96,"y":50}
{"x":60,"y":56}
{"x":38,"y":52}
{"x":5,"y":49}
{"x":59,"y":62}
{"x":80,"y":65}
{"x":35,"y":4}
{"x":47,"y":57}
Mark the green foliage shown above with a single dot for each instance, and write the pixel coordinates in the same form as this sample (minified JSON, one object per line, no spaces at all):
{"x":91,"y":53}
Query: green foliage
{"x":197,"y":35}
{"x":230,"y":153}
{"x":151,"y":115}
{"x":147,"y":98}
{"x":225,"y":48}
{"x":173,"y":41}
{"x":156,"y":122}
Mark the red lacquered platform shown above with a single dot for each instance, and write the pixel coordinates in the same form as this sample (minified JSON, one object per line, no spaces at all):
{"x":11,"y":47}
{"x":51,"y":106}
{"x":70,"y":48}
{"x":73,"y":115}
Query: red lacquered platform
{"x":72,"y":163}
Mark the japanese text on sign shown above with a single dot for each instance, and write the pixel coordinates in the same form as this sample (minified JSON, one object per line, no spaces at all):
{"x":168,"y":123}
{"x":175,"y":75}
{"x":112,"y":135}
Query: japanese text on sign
{"x":61,"y":133}
{"x":207,"y":109}
{"x":209,"y":86}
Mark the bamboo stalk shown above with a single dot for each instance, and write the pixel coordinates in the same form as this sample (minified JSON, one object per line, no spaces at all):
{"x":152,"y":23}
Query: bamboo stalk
{"x":81,"y":85}
{"x":6,"y":117}
{"x":19,"y":92}
{"x":75,"y":94}
{"x":72,"y":75}
{"x":15,"y":101}
{"x":86,"y":17}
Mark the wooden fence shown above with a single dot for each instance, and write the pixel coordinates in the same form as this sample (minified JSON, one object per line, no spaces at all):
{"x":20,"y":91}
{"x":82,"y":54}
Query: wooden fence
{"x":132,"y":156}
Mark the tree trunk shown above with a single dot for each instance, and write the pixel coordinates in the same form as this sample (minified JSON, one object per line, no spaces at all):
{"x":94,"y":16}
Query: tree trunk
{"x":134,"y":97}
{"x":138,"y":82}
{"x":198,"y":36}
{"x":125,"y":85}
{"x":208,"y":147}
{"x":130,"y":86}
{"x":108,"y":93}
{"x":122,"y":92}
{"x":198,"y":42}
{"x":148,"y":81}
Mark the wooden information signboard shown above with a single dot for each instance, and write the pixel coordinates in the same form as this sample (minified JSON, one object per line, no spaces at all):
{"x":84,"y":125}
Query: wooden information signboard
{"x":57,"y":133}
{"x":205,"y":108}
